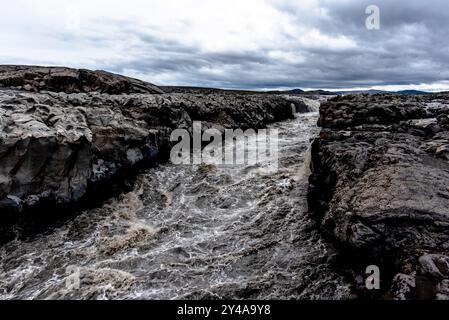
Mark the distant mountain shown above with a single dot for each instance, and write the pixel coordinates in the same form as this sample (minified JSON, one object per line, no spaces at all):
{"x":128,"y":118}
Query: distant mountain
{"x":293,"y":91}
{"x":319,"y":92}
{"x":302,"y":92}
{"x":411,"y":92}
{"x":373,"y":91}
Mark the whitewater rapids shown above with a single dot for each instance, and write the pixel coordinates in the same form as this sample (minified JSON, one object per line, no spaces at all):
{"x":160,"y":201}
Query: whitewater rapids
{"x":188,"y":232}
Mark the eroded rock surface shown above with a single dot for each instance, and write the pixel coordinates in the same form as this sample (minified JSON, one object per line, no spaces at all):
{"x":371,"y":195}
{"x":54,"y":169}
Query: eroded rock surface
{"x":59,"y":79}
{"x":380,"y":186}
{"x":58,"y":149}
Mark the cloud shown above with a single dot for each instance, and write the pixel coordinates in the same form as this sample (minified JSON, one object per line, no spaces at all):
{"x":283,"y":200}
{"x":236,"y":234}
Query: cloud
{"x":235,"y":44}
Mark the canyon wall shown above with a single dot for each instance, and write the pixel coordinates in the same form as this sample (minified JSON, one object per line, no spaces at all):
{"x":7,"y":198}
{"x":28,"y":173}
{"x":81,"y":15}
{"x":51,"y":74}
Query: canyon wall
{"x":380,"y":188}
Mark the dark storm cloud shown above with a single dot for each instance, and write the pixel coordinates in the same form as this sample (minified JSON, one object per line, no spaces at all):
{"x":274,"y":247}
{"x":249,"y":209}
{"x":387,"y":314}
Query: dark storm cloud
{"x":410,"y":48}
{"x":309,"y":44}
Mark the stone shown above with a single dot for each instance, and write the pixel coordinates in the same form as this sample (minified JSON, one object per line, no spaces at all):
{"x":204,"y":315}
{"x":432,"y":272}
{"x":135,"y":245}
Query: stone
{"x":58,"y":79}
{"x":379,"y":181}
{"x":435,"y":265}
{"x":442,"y":290}
{"x":403,"y":286}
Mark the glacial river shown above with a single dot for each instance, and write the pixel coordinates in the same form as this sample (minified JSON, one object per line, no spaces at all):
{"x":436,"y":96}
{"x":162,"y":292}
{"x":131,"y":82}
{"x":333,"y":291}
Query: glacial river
{"x":188,"y":232}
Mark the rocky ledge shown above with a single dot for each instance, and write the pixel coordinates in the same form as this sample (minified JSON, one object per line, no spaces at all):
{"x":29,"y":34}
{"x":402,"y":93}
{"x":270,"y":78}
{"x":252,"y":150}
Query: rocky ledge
{"x":58,"y":79}
{"x":380,"y":190}
{"x":60,"y":152}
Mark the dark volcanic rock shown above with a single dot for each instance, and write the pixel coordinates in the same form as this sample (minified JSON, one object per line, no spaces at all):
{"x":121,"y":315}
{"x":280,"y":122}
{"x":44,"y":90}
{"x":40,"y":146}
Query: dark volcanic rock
{"x":380,"y":184}
{"x":58,"y":79}
{"x":58,"y":150}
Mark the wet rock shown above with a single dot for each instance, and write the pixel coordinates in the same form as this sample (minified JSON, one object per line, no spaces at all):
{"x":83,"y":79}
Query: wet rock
{"x":435,"y":265}
{"x":59,"y":149}
{"x":380,"y":177}
{"x":403,"y":286}
{"x":443,"y":290}
{"x":299,"y":104}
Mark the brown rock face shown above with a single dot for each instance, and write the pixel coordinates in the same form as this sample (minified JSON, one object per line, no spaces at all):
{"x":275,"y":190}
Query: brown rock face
{"x":379,"y":182}
{"x":56,"y":79}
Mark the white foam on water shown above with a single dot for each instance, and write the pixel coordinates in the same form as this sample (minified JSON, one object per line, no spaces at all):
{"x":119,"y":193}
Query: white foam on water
{"x":186,"y":232}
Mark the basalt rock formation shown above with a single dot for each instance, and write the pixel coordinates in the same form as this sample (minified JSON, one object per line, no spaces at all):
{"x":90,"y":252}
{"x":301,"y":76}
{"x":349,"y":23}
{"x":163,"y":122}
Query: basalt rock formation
{"x":58,"y":79}
{"x":380,"y":189}
{"x":59,"y":151}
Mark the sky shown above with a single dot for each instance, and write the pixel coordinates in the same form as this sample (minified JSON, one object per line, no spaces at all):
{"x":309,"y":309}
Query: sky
{"x":250,"y":44}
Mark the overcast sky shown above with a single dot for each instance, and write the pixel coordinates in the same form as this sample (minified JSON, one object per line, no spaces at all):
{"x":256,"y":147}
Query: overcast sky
{"x":258,"y":44}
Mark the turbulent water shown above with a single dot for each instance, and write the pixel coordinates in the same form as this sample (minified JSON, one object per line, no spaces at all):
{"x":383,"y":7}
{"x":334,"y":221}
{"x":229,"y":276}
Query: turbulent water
{"x":188,"y":232}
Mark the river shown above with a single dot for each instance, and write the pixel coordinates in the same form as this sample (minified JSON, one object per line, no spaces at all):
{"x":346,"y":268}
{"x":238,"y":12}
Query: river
{"x":188,"y":232}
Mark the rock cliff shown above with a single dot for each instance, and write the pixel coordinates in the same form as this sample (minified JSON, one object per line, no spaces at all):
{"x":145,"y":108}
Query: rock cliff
{"x":59,"y":79}
{"x":60,"y":152}
{"x":380,"y":188}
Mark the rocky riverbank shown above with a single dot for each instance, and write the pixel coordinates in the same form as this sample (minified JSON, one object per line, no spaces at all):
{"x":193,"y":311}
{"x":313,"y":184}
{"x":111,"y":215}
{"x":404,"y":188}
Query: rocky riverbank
{"x":380,"y":190}
{"x":63,"y":151}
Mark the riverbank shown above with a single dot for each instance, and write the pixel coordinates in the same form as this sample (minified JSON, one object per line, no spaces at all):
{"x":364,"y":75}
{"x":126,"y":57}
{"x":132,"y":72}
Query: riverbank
{"x":62,"y":152}
{"x":189,"y":232}
{"x":379,"y":190}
